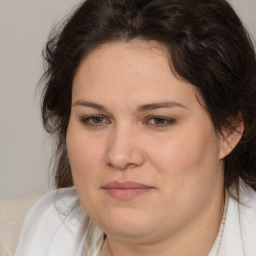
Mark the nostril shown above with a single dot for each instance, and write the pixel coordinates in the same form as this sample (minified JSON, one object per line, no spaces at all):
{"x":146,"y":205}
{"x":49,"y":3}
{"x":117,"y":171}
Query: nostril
{"x":123,"y":165}
{"x":109,"y":165}
{"x":118,"y":166}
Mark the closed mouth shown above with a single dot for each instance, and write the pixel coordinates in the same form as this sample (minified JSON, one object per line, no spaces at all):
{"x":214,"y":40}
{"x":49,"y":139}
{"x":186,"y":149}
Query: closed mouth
{"x":126,"y":190}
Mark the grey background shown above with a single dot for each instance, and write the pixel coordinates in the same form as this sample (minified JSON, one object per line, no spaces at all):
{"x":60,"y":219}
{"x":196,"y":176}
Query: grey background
{"x":24,"y":146}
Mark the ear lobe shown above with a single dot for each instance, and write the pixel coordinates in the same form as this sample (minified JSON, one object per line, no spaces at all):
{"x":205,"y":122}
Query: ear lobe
{"x":229,"y":139}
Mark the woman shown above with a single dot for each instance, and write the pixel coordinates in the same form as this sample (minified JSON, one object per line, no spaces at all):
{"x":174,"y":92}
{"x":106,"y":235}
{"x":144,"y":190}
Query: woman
{"x":153,"y":106}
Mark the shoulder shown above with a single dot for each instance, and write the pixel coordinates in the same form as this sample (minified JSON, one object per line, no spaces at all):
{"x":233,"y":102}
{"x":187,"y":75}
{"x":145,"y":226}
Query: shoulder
{"x":240,"y":223}
{"x":248,"y":196}
{"x":247,"y":203}
{"x":247,"y":218}
{"x":12,"y":214}
{"x":56,"y":216}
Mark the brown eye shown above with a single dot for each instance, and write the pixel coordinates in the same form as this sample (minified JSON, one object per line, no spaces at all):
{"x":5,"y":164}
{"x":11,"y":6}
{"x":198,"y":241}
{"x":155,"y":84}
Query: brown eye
{"x":95,"y":120}
{"x":160,"y":121}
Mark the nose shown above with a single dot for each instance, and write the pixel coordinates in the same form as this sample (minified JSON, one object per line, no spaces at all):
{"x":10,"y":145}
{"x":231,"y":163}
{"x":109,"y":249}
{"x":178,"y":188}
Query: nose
{"x":123,"y":149}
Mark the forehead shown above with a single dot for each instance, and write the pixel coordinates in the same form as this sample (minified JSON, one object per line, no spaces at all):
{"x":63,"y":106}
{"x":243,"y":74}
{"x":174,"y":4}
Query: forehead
{"x":139,"y":70}
{"x":126,"y":56}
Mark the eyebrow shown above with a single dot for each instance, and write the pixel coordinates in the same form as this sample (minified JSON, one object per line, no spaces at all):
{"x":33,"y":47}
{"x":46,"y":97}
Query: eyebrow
{"x":89,"y":104}
{"x":152,"y":106}
{"x":142,"y":108}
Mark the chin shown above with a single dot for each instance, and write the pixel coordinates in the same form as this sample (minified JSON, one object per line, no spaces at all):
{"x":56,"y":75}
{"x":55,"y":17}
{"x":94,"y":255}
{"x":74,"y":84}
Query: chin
{"x":126,"y":223}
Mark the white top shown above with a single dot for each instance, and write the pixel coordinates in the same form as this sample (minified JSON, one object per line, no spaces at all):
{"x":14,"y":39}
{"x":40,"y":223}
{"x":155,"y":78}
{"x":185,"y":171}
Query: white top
{"x":58,"y":226}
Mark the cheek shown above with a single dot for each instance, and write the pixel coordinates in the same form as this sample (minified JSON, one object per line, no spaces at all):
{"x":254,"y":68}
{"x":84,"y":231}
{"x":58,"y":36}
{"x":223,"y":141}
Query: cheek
{"x":188,"y":168}
{"x":85,"y":161}
{"x":84,"y":154}
{"x":187,"y":159}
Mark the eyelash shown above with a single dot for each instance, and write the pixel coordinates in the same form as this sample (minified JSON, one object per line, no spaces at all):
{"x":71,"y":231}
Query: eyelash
{"x":88,"y":121}
{"x":167,"y":121}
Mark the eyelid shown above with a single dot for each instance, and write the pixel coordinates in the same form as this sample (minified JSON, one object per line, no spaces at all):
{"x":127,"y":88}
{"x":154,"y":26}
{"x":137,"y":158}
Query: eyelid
{"x":169,"y":121}
{"x":158,"y":121}
{"x":85,"y":120}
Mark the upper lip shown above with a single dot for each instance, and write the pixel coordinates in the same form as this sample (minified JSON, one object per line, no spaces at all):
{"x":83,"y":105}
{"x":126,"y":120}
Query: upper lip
{"x":125,"y":185}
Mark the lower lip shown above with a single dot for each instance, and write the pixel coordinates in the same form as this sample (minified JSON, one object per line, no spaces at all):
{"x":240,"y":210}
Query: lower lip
{"x":126,"y":193}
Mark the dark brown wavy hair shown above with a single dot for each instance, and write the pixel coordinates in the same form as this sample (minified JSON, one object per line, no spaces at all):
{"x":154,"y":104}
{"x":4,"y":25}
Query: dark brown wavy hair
{"x":209,"y":48}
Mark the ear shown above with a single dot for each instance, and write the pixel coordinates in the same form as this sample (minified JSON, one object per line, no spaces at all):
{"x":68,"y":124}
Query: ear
{"x":229,"y":139}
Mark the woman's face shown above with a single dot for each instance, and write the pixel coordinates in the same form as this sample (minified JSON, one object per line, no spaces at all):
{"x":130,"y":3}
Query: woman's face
{"x":144,"y":155}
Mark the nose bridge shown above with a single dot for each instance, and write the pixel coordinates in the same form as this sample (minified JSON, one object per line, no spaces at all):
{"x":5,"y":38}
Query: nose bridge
{"x":123,"y":149}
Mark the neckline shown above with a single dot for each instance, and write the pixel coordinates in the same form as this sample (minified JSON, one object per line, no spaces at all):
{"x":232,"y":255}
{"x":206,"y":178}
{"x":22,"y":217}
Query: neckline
{"x":217,"y":245}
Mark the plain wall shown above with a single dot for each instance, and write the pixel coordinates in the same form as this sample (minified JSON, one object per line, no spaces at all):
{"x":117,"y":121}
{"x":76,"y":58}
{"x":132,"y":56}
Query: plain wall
{"x":24,"y":147}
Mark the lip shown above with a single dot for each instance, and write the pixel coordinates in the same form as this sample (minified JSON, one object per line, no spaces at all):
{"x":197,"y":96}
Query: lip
{"x":126,"y":190}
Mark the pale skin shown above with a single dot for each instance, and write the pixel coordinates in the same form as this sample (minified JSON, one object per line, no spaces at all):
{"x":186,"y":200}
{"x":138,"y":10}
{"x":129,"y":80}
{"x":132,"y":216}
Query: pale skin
{"x":132,"y":119}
